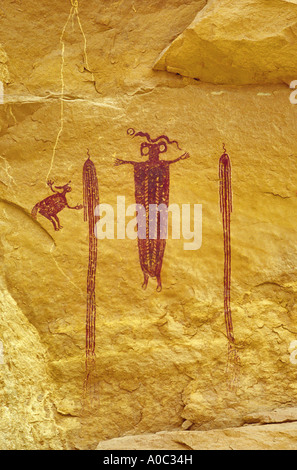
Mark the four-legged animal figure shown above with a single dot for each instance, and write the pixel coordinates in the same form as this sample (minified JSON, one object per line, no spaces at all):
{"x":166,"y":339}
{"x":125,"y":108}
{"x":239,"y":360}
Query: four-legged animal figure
{"x":54,"y":204}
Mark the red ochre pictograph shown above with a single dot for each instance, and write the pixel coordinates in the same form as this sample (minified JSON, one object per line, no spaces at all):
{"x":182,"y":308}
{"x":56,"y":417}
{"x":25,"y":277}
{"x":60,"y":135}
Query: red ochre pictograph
{"x":52,"y":205}
{"x":91,"y":201}
{"x":226,"y":207}
{"x":152,"y":182}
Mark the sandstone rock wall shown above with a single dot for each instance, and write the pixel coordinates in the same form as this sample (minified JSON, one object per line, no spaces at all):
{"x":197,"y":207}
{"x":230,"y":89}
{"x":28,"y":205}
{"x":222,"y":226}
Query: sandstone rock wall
{"x":273,"y":437}
{"x":160,"y":357}
{"x":237,"y":43}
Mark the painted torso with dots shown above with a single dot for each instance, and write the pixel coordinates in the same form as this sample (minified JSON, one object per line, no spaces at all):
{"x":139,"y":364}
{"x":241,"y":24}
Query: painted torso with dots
{"x":152,"y":183}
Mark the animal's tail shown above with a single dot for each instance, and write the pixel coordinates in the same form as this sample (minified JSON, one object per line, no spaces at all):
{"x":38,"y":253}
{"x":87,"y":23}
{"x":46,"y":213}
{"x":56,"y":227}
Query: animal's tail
{"x":35,"y":211}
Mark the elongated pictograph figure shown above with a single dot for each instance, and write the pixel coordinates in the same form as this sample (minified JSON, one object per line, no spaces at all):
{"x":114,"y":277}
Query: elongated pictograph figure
{"x":91,"y":201}
{"x":152,"y":182}
{"x":226,"y":207}
{"x":52,"y":205}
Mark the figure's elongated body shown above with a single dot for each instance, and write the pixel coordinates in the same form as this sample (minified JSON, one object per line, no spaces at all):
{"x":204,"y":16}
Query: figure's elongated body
{"x":152,"y":183}
{"x":151,"y":188}
{"x":91,"y":201}
{"x":226,"y":208}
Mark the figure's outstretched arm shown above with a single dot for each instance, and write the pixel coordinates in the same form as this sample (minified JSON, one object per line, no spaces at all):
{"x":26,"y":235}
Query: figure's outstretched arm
{"x":185,"y":156}
{"x":119,"y":162}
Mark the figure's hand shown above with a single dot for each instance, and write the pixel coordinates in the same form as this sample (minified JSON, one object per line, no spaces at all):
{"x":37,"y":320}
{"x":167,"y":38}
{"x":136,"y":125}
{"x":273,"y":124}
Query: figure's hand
{"x":118,"y":162}
{"x":185,"y":156}
{"x":50,"y":183}
{"x":79,"y":207}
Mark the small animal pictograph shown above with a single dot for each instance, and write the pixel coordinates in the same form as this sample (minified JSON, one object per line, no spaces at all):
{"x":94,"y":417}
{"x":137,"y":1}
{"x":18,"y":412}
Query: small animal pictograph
{"x":54,"y":204}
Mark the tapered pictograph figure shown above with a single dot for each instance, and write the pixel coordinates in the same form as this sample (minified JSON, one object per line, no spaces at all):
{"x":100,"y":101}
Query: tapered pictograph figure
{"x":226,"y":207}
{"x":152,"y":184}
{"x":54,"y":204}
{"x":91,"y":201}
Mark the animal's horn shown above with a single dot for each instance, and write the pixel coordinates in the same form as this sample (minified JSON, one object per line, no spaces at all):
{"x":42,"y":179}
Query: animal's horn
{"x":62,"y":187}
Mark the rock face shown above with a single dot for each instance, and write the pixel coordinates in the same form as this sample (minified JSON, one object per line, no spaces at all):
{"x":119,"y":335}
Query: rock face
{"x":27,"y":412}
{"x":273,"y":437}
{"x":238,"y":43}
{"x":77,"y":80}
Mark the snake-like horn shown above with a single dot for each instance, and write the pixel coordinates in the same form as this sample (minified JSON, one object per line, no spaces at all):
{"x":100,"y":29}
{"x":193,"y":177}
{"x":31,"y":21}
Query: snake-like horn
{"x":133,"y":134}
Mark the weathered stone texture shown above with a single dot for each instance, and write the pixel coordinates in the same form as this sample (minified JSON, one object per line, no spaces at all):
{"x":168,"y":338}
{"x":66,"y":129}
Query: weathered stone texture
{"x":161,"y":358}
{"x":238,"y":43}
{"x":273,"y":437}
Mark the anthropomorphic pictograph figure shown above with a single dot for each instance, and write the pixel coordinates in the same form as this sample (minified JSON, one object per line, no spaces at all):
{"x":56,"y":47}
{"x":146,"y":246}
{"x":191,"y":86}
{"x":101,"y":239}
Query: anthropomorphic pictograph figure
{"x":152,"y":181}
{"x":52,"y":205}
